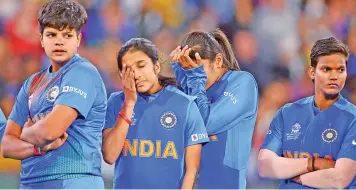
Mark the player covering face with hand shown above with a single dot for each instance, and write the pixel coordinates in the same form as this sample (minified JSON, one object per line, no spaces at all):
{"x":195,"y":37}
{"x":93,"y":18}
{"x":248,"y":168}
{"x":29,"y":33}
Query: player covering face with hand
{"x":227,"y":99}
{"x":153,"y":131}
{"x":55,"y":127}
{"x":311,"y":143}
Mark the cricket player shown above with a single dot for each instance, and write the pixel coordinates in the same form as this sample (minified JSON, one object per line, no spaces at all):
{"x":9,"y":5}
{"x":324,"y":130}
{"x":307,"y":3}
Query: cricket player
{"x":227,"y":99}
{"x":311,"y":143}
{"x":153,"y":131}
{"x":55,"y":127}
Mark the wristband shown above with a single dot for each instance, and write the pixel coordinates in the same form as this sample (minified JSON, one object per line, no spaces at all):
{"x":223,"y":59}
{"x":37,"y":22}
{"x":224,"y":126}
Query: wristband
{"x":123,"y":117}
{"x":311,"y":167}
{"x":37,"y":151}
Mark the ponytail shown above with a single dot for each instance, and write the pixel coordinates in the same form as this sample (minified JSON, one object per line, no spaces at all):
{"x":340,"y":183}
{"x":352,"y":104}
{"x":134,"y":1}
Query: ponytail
{"x":165,"y":81}
{"x":210,"y":44}
{"x":229,"y":56}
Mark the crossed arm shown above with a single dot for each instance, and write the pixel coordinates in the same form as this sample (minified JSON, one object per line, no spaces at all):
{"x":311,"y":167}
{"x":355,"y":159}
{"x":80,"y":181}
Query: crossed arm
{"x":275,"y":167}
{"x":18,"y":142}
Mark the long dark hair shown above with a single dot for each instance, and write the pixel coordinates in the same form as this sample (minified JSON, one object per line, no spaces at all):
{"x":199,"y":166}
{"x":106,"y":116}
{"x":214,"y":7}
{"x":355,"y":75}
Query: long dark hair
{"x":147,"y":47}
{"x":208,"y":44}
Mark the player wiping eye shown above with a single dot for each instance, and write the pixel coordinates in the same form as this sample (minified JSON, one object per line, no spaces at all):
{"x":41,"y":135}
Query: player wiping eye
{"x":227,"y":98}
{"x":153,"y":131}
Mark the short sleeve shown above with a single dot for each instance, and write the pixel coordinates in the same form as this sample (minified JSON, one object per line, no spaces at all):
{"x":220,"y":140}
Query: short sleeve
{"x":20,"y":110}
{"x":79,"y":88}
{"x":273,"y":138}
{"x":111,"y":112}
{"x":195,"y":132}
{"x":348,"y":147}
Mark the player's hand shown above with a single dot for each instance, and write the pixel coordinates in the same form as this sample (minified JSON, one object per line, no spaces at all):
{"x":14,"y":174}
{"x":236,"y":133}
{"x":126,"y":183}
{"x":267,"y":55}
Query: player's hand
{"x":28,"y":123}
{"x":129,"y":85}
{"x":174,"y":55}
{"x":297,"y":179}
{"x":55,"y":144}
{"x":323,"y":163}
{"x":182,"y":56}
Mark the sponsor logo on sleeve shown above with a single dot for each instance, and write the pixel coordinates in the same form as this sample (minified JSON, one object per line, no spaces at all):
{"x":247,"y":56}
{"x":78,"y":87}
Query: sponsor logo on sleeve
{"x":196,"y":137}
{"x":65,"y":89}
{"x":231,"y":96}
{"x":74,"y":90}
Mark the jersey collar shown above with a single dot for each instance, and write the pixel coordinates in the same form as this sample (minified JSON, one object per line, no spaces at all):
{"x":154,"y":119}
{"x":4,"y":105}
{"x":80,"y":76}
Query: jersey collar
{"x":66,"y":65}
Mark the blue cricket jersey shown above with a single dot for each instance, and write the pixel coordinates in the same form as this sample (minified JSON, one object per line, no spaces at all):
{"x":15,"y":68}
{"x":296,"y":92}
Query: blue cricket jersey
{"x":163,"y":124}
{"x":78,"y":85}
{"x":229,"y":109}
{"x":300,"y":130}
{"x":2,"y":124}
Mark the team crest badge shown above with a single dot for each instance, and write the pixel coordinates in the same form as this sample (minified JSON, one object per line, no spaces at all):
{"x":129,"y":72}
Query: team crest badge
{"x":53,"y":93}
{"x":168,"y":120}
{"x":329,"y":135}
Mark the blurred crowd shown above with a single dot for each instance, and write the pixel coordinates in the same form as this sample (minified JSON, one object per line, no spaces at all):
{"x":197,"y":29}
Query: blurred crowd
{"x":271,"y":39}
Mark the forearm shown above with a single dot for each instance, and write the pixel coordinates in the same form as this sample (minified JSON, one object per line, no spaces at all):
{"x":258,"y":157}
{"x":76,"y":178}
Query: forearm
{"x":12,"y":147}
{"x":189,"y":179}
{"x":34,"y":135}
{"x":51,"y":127}
{"x":114,"y":140}
{"x":192,"y":164}
{"x":196,"y":87}
{"x":180,"y":75}
{"x":282,"y":168}
{"x":325,"y":179}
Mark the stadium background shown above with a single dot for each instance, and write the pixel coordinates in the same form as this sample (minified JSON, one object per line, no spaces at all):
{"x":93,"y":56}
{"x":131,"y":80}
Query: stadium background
{"x":271,"y":39}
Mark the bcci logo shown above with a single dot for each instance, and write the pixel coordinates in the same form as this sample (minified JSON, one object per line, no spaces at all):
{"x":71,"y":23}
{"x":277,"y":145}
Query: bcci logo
{"x":53,"y":93}
{"x":329,"y":135}
{"x":168,"y":120}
